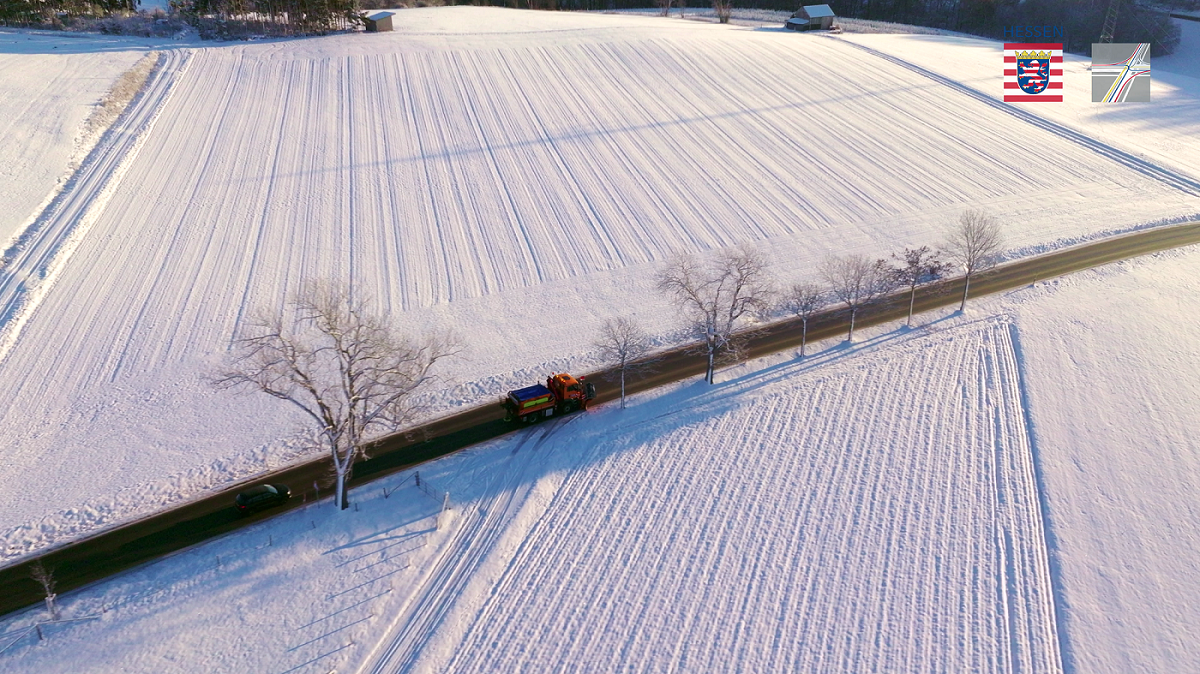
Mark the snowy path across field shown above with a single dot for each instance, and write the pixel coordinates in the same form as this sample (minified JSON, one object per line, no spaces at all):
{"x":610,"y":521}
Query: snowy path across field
{"x":875,"y":515}
{"x":50,"y":87}
{"x":45,"y":243}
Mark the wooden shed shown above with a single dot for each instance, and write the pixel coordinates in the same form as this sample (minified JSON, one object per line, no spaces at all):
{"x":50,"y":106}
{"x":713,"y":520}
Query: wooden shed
{"x":379,"y":22}
{"x":811,"y":17}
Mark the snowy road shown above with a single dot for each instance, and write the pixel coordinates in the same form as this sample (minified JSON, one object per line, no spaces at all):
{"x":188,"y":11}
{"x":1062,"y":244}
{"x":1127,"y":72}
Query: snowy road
{"x":193,"y":522}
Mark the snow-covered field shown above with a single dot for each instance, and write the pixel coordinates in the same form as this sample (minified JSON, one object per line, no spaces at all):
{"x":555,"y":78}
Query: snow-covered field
{"x":500,"y":173}
{"x":1114,"y":391}
{"x":1005,"y":490}
{"x":867,"y":513}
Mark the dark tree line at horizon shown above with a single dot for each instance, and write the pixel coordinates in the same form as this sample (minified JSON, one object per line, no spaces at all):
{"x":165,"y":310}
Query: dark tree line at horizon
{"x":271,"y":17}
{"x":1080,"y":20}
{"x":213,"y":18}
{"x":39,"y":12}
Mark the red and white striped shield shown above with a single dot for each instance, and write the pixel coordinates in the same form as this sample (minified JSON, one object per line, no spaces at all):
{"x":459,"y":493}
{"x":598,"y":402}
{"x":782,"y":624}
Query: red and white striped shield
{"x":1033,"y":72}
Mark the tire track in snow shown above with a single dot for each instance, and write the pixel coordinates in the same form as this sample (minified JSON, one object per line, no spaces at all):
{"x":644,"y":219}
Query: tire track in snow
{"x":348,"y":96}
{"x":1049,"y":548}
{"x":592,"y":217}
{"x":32,"y":257}
{"x":529,"y":256}
{"x":458,"y":560}
{"x":439,"y":220}
{"x":702,"y":148}
{"x":470,"y":247}
{"x":164,"y":274}
{"x":256,"y":249}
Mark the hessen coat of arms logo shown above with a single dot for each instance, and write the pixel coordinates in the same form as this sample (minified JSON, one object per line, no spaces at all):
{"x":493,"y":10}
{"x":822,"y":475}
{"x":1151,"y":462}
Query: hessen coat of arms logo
{"x":1035,"y":70}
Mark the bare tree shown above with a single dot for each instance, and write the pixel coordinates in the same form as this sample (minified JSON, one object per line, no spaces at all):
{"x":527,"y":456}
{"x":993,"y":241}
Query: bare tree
{"x":716,"y":298}
{"x":919,"y":266}
{"x":855,"y":280}
{"x":974,"y":244}
{"x":682,"y":6}
{"x":621,"y":342}
{"x":804,"y":300}
{"x":345,"y":368}
{"x":724,"y":9}
{"x":46,"y":579}
{"x":664,"y":7}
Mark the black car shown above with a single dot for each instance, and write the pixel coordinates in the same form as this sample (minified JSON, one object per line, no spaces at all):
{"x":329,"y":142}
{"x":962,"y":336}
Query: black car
{"x":262,"y":497}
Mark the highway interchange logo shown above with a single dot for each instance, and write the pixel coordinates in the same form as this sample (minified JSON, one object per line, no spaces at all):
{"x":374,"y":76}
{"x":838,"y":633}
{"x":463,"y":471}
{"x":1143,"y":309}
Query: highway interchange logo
{"x":1120,"y":72}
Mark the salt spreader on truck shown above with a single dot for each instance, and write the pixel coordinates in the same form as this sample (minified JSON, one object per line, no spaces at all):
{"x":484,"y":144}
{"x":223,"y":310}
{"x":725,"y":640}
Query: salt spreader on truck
{"x":561,"y":394}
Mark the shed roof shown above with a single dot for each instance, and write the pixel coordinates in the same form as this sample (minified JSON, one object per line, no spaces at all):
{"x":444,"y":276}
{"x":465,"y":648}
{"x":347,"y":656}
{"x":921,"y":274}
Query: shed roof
{"x":818,"y":11}
{"x":380,"y":15}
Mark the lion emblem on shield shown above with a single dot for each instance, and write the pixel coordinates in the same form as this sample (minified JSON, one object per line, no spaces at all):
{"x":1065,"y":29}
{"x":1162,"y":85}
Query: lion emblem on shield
{"x":1033,"y":71}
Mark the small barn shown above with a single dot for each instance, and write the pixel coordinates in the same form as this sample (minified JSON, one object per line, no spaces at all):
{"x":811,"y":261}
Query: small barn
{"x":379,"y":22}
{"x":811,"y":17}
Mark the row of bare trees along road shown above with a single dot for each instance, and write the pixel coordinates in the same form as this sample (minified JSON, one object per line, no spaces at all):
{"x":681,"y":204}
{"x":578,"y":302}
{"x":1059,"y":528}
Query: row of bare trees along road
{"x":720,"y":301}
{"x":301,"y":358}
{"x":355,"y":376}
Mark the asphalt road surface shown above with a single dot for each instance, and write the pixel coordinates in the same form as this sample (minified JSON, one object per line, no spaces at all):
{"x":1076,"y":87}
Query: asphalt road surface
{"x":109,"y":552}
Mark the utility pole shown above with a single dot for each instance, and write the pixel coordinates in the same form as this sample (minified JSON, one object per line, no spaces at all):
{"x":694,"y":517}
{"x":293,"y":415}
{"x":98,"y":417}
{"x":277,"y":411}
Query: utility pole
{"x":1110,"y":22}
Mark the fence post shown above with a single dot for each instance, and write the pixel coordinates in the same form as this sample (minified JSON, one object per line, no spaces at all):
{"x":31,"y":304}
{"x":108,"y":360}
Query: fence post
{"x":445,"y":507}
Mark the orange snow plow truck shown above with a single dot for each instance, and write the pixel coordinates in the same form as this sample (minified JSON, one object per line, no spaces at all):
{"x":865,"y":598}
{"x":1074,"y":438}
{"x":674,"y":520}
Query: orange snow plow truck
{"x":561,"y":394}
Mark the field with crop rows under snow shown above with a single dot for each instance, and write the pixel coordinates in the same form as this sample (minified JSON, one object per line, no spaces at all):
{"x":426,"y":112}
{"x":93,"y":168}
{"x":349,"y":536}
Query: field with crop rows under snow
{"x":514,"y":176}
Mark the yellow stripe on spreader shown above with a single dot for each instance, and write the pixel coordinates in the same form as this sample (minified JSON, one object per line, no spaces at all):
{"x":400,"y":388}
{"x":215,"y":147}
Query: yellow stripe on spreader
{"x":539,"y":401}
